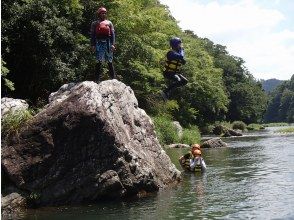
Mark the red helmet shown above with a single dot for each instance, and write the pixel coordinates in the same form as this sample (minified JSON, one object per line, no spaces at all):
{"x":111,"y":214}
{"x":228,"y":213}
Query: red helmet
{"x":100,"y":10}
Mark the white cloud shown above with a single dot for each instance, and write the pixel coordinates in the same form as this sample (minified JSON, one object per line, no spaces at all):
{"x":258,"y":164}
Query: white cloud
{"x":248,"y":31}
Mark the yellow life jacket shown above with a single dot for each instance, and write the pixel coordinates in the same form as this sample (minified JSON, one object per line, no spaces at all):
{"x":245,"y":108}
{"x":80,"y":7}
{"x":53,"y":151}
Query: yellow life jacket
{"x":172,"y":65}
{"x":197,"y":168}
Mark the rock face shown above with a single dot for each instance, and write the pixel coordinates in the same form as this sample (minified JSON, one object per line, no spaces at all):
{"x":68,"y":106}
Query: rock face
{"x":10,"y":104}
{"x":179,"y":145}
{"x":213,"y":143}
{"x":179,"y":128}
{"x":92,"y":141}
{"x":12,"y":206}
{"x":226,"y":132}
{"x":231,"y":132}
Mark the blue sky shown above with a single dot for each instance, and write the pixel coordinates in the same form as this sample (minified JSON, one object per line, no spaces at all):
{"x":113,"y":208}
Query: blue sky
{"x":259,"y":31}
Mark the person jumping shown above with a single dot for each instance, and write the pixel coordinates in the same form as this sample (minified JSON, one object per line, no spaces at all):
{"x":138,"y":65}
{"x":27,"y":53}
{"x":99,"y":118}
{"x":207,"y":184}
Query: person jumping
{"x":174,"y":59}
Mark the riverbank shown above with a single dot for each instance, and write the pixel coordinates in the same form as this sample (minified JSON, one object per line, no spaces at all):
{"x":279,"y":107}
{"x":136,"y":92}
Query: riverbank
{"x":243,"y":181}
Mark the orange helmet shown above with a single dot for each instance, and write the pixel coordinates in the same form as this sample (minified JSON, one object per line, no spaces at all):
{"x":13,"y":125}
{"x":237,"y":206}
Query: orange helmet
{"x":197,"y":146}
{"x":100,"y":10}
{"x":196,"y":152}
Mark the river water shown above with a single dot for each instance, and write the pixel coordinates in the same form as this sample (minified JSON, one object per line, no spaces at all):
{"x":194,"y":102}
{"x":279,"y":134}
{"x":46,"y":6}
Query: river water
{"x":253,"y":178}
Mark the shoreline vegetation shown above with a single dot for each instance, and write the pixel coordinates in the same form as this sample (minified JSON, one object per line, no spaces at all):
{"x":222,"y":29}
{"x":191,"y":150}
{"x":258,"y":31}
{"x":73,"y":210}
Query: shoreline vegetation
{"x":285,"y":130}
{"x":166,"y":129}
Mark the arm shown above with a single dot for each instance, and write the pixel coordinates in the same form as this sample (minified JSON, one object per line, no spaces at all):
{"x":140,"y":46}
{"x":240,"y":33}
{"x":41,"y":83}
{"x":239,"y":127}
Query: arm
{"x":173,"y":55}
{"x":112,"y":33}
{"x":203,"y":165}
{"x":92,"y":33}
{"x":193,"y":163}
{"x":184,"y":157}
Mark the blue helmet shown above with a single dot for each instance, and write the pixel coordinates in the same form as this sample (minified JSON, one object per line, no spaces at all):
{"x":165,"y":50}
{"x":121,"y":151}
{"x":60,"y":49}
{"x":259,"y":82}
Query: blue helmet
{"x":174,"y":42}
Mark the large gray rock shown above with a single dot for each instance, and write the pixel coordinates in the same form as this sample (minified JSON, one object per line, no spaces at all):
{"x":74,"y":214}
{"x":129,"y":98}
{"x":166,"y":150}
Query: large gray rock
{"x":213,"y":143}
{"x":178,"y":145}
{"x":92,"y":141}
{"x":231,"y":132}
{"x":12,"y":206}
{"x":178,"y":128}
{"x":12,"y":105}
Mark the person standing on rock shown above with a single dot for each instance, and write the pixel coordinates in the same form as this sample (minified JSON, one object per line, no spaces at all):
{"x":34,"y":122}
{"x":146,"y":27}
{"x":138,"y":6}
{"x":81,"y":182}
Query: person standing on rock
{"x":103,"y":43}
{"x":193,"y":161}
{"x":174,"y":59}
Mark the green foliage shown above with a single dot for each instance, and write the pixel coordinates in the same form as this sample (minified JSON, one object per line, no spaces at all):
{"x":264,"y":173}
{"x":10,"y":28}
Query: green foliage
{"x":276,"y":124}
{"x":239,"y":125}
{"x":11,"y":122}
{"x":248,"y":101}
{"x":191,"y":135}
{"x":285,"y":130}
{"x":4,"y":72}
{"x":165,"y":130}
{"x":46,"y":44}
{"x":43,"y":48}
{"x":207,"y":129}
{"x":223,"y":123}
{"x":255,"y":127}
{"x":281,"y":105}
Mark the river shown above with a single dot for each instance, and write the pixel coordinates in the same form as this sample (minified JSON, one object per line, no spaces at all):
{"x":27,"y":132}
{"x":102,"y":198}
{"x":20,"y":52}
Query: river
{"x":253,"y":178}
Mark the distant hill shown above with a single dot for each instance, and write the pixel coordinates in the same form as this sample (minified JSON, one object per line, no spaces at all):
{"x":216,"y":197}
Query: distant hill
{"x":270,"y":84}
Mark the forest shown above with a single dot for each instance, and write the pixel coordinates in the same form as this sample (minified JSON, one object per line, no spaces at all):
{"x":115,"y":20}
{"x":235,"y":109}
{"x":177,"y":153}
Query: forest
{"x":46,"y":43}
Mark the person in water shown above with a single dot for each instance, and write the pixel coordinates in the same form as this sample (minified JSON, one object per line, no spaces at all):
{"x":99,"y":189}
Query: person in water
{"x":193,"y":160}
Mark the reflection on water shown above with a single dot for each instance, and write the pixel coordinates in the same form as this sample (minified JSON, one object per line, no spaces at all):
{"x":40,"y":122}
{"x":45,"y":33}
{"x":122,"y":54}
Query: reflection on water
{"x":252,"y":178}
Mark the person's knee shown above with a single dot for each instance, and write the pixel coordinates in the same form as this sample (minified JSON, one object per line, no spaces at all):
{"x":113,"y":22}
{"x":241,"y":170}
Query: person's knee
{"x":184,"y":82}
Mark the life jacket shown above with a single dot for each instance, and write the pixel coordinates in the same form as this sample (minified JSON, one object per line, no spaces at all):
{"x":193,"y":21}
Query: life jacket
{"x":103,"y":29}
{"x":186,"y":165}
{"x":197,"y":168}
{"x":172,"y":65}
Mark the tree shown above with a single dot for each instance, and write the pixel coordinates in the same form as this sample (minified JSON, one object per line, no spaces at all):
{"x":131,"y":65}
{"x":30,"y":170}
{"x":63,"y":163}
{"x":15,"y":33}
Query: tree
{"x":248,"y":101}
{"x":281,"y":104}
{"x":42,"y":46}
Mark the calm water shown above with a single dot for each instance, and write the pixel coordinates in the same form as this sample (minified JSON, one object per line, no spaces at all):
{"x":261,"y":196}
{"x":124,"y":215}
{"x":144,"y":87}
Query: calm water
{"x":251,"y":179}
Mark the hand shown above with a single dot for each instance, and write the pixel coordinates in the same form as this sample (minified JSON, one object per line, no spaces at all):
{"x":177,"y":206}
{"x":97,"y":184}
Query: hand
{"x":113,"y":48}
{"x":181,"y":159}
{"x":93,"y":48}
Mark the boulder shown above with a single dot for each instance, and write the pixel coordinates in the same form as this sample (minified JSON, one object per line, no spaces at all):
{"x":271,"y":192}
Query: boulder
{"x":12,"y":105}
{"x":179,"y":145}
{"x":91,"y":142}
{"x":231,"y":132}
{"x":12,"y":206}
{"x":219,"y":129}
{"x":178,"y":128}
{"x":213,"y":143}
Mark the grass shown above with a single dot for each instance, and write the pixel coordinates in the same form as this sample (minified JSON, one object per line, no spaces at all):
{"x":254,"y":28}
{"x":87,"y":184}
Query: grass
{"x":11,"y":122}
{"x":167,"y":133}
{"x":240,"y":125}
{"x":278,"y":124}
{"x":165,"y":130}
{"x":255,"y":127}
{"x":191,"y":135}
{"x":285,"y":130}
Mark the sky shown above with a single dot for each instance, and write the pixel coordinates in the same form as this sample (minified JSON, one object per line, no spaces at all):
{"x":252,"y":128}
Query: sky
{"x":261,"y":32}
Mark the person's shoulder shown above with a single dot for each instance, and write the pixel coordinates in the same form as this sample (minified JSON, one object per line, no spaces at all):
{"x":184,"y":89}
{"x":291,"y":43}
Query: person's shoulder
{"x":187,"y":155}
{"x":94,"y":22}
{"x":169,"y":53}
